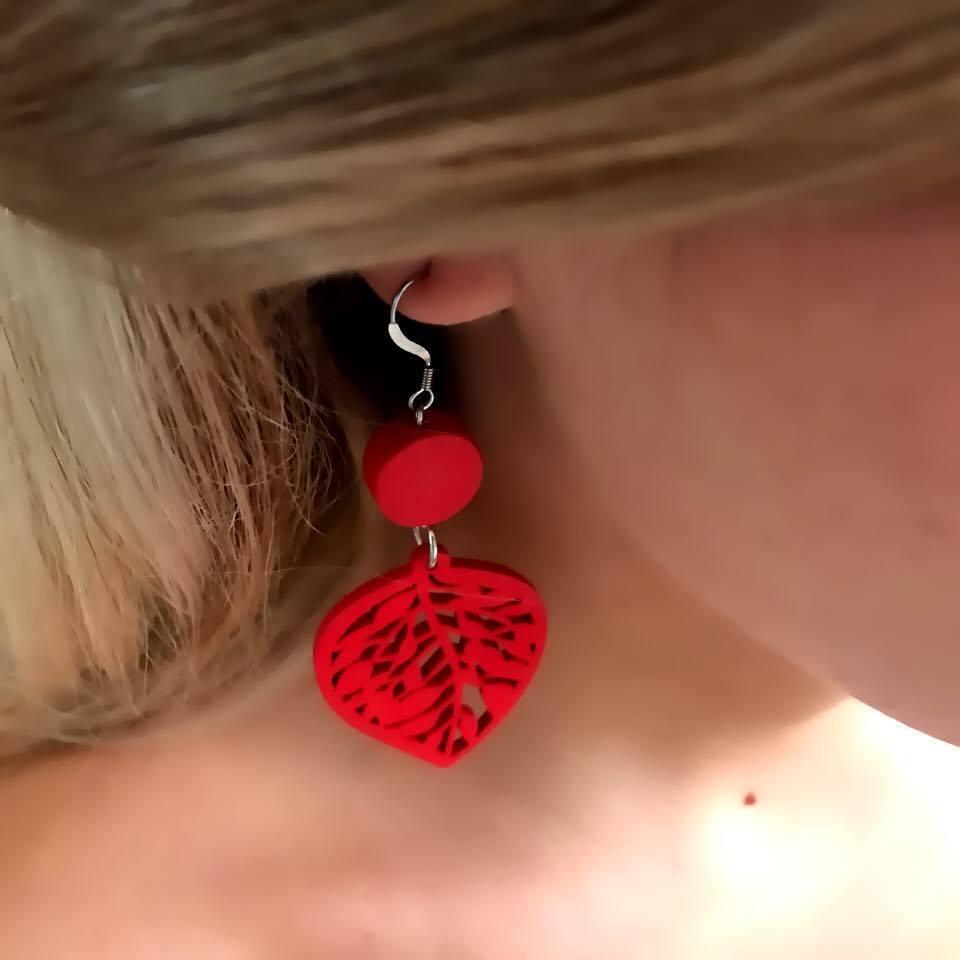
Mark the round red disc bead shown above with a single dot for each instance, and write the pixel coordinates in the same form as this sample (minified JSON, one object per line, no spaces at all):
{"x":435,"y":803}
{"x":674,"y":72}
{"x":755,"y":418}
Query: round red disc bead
{"x":422,"y":475}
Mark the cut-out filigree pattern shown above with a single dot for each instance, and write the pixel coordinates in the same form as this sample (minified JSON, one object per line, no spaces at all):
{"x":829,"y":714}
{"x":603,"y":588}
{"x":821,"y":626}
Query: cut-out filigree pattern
{"x":430,"y":661}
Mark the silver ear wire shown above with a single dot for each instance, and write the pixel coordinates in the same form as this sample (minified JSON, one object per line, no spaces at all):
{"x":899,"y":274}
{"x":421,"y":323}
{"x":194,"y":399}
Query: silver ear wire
{"x":423,"y":399}
{"x":420,"y":401}
{"x":397,"y":335}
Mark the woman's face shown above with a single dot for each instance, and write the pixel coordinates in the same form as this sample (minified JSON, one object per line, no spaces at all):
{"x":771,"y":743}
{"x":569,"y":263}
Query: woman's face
{"x":771,"y":410}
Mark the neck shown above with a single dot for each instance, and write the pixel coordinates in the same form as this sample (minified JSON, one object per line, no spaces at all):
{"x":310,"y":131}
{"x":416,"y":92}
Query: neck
{"x":537,"y":510}
{"x":619,"y":623}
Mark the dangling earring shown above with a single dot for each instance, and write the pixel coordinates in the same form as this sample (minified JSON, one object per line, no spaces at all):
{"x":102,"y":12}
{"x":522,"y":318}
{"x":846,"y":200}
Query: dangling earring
{"x":432,"y":656}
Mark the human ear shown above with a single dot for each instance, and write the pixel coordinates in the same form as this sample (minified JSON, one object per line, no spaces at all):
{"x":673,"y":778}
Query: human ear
{"x":448,"y":290}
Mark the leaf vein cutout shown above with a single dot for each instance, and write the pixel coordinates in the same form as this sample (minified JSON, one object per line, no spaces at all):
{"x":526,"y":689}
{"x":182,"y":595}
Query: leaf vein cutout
{"x":431,"y":661}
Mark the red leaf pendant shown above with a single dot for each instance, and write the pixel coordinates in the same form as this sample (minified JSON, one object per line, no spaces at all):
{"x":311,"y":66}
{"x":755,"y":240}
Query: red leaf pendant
{"x":430,"y":661}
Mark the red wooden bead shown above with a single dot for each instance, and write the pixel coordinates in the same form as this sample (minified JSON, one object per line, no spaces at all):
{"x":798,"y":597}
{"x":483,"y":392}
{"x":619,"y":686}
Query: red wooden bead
{"x":422,"y":475}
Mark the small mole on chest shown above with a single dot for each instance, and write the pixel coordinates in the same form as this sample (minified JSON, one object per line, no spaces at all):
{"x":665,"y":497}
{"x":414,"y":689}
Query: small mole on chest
{"x":750,"y":799}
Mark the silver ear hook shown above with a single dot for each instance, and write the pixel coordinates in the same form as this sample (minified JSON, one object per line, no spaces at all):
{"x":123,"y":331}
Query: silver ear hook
{"x":423,"y":399}
{"x":397,"y":335}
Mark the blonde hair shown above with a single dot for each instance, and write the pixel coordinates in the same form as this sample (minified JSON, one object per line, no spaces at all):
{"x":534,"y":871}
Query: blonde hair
{"x":163,"y":466}
{"x":160,"y":468}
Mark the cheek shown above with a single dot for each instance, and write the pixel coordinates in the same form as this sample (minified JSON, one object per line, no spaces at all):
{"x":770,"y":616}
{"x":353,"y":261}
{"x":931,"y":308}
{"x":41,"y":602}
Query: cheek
{"x":802,"y":468}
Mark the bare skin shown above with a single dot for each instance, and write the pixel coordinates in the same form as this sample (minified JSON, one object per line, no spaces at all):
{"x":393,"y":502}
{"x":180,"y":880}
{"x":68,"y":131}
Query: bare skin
{"x":672,"y":786}
{"x":767,"y":409}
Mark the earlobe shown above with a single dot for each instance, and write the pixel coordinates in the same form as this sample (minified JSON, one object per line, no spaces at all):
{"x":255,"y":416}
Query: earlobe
{"x":448,"y":289}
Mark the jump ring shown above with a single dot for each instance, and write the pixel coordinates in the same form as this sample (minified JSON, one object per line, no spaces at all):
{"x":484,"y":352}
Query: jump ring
{"x":423,"y":400}
{"x":434,"y":548}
